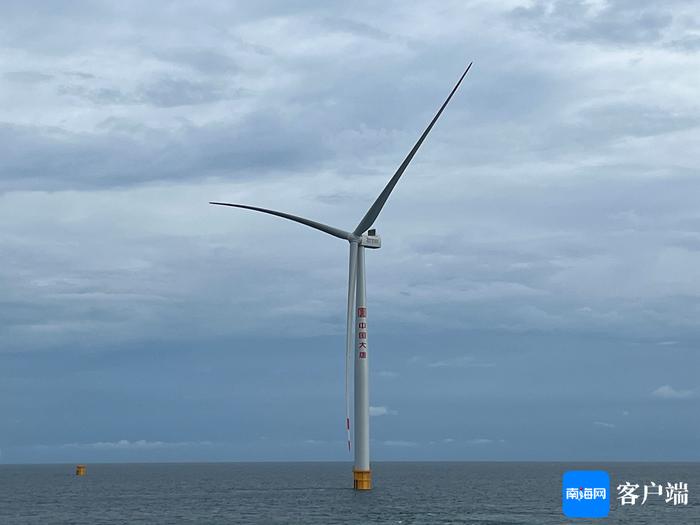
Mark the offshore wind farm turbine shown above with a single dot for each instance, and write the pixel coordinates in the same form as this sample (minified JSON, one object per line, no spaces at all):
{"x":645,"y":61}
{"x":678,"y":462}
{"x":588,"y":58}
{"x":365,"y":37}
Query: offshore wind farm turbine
{"x":360,"y":238}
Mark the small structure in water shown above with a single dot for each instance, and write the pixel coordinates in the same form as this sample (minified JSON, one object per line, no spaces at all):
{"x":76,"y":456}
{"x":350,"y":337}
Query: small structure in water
{"x":80,"y":470}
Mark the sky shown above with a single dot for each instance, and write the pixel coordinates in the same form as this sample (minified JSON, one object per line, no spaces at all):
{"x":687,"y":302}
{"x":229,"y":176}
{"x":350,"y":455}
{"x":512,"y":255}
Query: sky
{"x":537,"y":294}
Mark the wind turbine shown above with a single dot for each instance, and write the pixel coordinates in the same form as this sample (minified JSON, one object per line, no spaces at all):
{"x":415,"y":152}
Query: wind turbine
{"x":360,"y":238}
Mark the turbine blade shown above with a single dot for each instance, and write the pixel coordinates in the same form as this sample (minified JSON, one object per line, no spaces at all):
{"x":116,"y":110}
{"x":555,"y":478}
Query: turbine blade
{"x":372,"y":213}
{"x":335,"y":232}
{"x":350,"y":338}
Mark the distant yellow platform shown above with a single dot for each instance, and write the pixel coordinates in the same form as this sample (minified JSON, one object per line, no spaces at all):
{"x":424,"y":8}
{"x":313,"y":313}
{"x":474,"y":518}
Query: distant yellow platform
{"x":80,"y":470}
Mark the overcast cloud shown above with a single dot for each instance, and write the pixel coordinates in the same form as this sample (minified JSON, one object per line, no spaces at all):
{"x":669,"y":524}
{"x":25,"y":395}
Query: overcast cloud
{"x":537,"y":292}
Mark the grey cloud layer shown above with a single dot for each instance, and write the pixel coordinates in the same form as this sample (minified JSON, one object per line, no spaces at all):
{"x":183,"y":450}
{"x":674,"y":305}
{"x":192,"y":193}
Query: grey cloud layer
{"x":624,"y":22}
{"x":582,"y":164}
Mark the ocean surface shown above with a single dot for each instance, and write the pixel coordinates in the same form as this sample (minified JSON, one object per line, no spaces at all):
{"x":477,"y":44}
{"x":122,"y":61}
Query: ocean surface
{"x":319,"y":493}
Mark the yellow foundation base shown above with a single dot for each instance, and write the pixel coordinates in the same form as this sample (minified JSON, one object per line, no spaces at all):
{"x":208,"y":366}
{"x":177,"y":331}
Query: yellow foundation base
{"x":362,"y":479}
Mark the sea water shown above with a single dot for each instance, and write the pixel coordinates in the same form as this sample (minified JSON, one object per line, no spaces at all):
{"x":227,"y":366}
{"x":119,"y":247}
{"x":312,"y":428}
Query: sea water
{"x":320,"y":493}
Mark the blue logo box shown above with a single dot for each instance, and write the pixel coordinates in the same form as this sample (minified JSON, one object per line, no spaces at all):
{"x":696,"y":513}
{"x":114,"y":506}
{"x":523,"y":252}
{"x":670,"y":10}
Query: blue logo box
{"x":585,"y":494}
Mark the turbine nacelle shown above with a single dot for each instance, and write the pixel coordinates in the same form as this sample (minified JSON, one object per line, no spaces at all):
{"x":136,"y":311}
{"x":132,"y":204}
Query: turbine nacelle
{"x":371,"y":240}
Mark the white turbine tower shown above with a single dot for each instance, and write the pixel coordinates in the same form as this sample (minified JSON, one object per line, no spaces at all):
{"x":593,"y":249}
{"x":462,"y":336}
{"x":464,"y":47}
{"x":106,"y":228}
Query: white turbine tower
{"x":362,"y":237}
